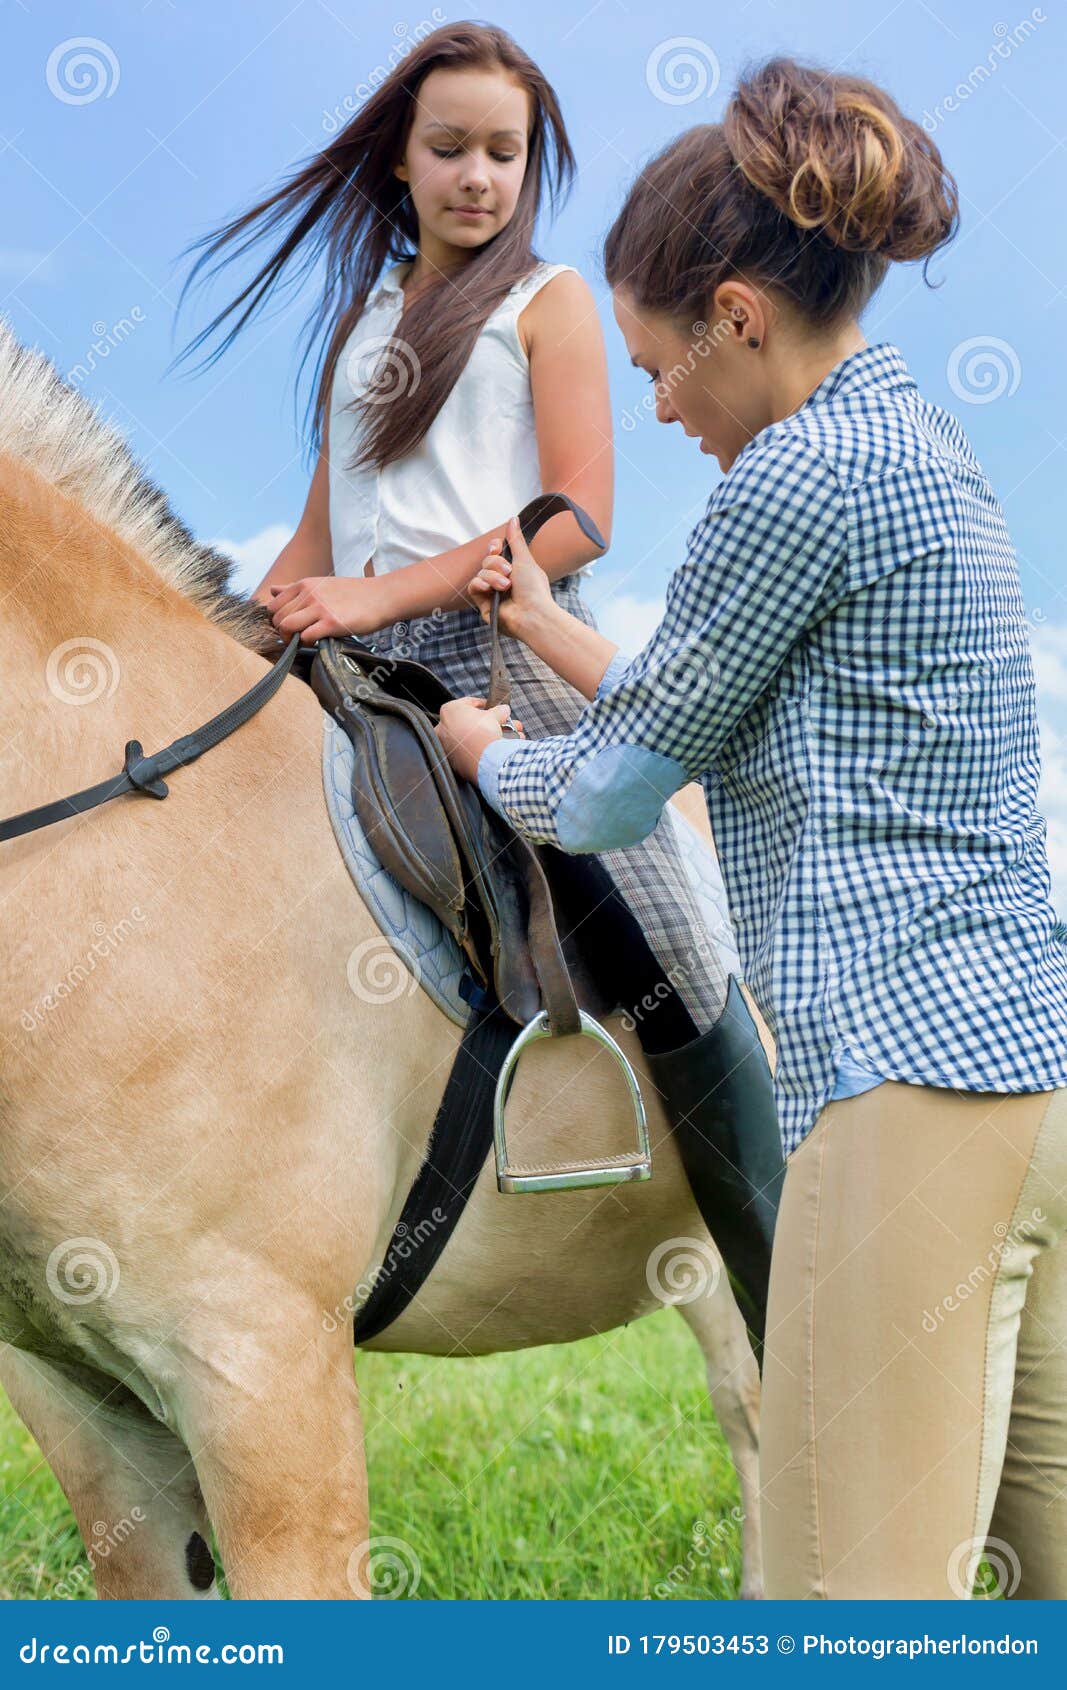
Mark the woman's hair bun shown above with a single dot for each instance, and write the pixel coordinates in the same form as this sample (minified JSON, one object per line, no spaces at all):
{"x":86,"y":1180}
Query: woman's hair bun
{"x":835,"y":154}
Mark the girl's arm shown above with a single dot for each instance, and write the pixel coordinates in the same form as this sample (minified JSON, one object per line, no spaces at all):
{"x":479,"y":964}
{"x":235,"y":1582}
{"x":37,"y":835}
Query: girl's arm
{"x":309,"y":552}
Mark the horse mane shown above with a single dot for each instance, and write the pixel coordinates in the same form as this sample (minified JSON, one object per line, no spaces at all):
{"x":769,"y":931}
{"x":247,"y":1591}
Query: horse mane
{"x":58,"y":432}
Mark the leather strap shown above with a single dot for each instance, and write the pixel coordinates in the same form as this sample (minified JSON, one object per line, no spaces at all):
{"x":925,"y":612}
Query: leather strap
{"x":532,"y":518}
{"x":460,"y":1141}
{"x":141,"y":773}
{"x":558,"y":998}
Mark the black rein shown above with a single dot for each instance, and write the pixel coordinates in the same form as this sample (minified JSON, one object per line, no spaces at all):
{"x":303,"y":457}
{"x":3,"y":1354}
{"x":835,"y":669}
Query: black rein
{"x":143,"y":774}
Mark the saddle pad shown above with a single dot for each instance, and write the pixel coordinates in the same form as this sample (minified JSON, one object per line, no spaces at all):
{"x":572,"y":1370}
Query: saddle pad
{"x":421,"y":941}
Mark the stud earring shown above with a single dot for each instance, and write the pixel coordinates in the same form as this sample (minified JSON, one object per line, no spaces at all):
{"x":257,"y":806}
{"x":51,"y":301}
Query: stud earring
{"x":752,"y":341}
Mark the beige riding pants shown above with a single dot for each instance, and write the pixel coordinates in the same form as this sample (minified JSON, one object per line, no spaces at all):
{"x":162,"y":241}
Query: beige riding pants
{"x":914,"y":1413}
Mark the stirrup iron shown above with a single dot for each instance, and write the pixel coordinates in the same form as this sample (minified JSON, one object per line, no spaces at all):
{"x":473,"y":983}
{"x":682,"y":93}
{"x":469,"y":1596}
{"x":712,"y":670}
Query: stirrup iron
{"x":613,"y":1170}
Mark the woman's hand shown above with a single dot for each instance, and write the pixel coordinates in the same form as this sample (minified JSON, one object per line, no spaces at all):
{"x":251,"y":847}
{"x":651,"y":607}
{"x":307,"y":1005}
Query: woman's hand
{"x":523,"y":581}
{"x":320,"y":605}
{"x":466,"y":727}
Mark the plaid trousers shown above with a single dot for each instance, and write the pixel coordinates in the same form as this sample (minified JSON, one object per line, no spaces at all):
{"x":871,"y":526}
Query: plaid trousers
{"x":650,"y":876}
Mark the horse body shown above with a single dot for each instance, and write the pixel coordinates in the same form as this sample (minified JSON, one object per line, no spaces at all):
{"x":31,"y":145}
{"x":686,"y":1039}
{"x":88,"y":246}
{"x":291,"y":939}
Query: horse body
{"x":208,"y":1125}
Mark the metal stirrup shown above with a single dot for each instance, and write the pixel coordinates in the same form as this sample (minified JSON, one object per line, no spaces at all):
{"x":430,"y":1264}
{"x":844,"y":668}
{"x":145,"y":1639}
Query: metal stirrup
{"x":613,"y":1170}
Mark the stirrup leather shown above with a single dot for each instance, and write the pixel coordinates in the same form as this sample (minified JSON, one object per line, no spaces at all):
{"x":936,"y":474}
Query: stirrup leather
{"x":563,"y":1176}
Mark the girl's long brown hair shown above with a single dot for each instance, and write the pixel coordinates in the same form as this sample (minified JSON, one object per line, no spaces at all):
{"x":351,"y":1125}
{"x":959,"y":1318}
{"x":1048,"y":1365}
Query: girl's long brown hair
{"x":347,"y":206}
{"x":811,"y":185}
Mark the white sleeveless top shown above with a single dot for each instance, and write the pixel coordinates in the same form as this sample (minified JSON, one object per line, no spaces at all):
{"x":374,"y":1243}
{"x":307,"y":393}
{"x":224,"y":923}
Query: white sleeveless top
{"x":476,"y":465}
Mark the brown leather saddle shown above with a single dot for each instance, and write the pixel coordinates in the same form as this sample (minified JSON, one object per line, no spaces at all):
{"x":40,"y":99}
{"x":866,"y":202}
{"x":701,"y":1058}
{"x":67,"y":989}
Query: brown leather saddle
{"x":495,"y":891}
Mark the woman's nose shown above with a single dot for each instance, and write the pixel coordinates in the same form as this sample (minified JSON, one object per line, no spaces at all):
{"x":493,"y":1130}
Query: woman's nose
{"x":474,"y":175}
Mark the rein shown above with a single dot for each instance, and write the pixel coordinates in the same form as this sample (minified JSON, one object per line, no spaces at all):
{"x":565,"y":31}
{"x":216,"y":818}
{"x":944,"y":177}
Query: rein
{"x":143,"y":774}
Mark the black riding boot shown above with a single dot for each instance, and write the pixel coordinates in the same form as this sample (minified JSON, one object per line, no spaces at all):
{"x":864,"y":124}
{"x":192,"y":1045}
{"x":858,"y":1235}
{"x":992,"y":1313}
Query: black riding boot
{"x":718,"y":1094}
{"x":716,"y":1087}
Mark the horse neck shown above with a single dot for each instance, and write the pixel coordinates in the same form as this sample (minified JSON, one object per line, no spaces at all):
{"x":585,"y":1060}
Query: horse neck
{"x":96,"y":646}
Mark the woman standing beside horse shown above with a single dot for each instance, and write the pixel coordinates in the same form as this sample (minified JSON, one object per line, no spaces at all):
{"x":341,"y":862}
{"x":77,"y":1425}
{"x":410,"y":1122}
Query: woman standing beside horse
{"x":870,"y":760}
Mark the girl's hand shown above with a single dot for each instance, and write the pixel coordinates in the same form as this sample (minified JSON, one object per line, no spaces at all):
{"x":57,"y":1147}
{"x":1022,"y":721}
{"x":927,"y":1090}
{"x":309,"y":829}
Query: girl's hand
{"x":466,"y":727}
{"x":523,"y":582}
{"x":330,"y":604}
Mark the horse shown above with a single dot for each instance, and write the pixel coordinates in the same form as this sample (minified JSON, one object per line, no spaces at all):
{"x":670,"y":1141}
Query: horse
{"x":206,"y":1133}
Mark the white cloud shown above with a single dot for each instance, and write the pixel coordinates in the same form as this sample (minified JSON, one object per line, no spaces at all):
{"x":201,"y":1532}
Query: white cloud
{"x":622,"y":617}
{"x":255,"y":556}
{"x":1052,"y":803}
{"x":1049,"y":646}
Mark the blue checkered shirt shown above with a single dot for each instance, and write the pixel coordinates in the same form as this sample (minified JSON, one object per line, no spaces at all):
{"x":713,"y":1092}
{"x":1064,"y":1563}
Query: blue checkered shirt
{"x":844,"y":665}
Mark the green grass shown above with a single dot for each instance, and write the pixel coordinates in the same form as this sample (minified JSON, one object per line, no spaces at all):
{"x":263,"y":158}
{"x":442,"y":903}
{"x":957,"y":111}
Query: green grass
{"x":572,"y":1471}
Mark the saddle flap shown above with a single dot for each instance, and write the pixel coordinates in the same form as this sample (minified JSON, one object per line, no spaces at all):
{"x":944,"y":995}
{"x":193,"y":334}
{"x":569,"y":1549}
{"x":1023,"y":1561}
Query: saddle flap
{"x":400,"y":811}
{"x":398,"y":799}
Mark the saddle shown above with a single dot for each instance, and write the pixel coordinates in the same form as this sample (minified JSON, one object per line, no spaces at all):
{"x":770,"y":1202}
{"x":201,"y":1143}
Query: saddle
{"x":505,"y":900}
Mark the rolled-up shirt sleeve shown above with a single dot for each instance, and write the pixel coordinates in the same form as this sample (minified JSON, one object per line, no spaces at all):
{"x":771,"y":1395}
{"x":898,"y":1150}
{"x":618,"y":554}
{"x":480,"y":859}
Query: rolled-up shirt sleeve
{"x":765,"y":561}
{"x":614,"y":673}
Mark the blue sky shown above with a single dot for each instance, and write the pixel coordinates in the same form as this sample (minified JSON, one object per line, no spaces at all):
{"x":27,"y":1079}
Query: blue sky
{"x":130,"y":129}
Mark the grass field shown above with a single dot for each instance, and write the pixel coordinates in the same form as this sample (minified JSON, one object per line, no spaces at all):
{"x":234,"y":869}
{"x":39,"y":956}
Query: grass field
{"x":574,"y":1471}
